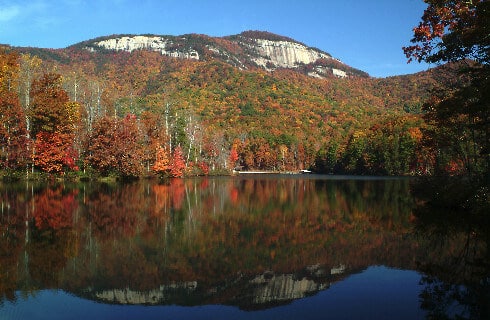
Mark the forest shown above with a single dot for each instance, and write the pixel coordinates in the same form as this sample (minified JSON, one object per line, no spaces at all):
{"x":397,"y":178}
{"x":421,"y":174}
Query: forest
{"x":84,"y":114}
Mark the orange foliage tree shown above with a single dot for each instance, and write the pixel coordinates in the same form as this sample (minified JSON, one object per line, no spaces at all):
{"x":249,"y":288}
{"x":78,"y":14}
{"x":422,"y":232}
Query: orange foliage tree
{"x":451,"y":31}
{"x":13,"y":134}
{"x":54,"y":152}
{"x":162,"y":163}
{"x":53,"y":123}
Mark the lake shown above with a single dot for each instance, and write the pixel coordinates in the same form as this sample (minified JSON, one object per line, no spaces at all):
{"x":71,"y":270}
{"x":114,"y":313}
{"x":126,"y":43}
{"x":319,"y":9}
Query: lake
{"x":243,"y":247}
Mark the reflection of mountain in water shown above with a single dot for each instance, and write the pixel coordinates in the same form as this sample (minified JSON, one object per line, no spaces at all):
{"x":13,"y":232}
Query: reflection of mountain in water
{"x":257,"y":292}
{"x":271,"y":288}
{"x":212,"y":241}
{"x":165,"y":294}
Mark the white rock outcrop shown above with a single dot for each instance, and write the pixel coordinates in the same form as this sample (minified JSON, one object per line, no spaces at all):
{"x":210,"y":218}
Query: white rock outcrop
{"x":267,"y":54}
{"x":153,"y":43}
{"x":339,"y":73}
{"x":283,"y":54}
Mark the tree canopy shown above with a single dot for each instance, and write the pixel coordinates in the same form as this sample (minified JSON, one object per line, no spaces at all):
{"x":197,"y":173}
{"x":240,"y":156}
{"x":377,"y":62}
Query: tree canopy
{"x":452,"y":31}
{"x":458,"y":32}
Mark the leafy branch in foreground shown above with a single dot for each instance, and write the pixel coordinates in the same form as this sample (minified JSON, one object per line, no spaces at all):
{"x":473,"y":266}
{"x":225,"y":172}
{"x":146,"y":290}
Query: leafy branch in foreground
{"x":458,"y":31}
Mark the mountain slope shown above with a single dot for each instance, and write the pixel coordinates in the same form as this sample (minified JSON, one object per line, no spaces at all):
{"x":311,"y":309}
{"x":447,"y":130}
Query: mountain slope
{"x":225,"y":83}
{"x":260,"y":92}
{"x":248,"y":50}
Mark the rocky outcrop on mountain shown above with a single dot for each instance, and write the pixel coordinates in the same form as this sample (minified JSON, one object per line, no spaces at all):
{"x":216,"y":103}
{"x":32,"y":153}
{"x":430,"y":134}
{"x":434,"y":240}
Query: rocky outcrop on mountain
{"x":284,"y":54}
{"x":154,"y":43}
{"x":250,"y":49}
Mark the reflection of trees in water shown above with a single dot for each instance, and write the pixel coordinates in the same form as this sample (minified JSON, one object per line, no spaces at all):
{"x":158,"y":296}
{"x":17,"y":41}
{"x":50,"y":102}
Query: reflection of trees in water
{"x":213,"y":230}
{"x":454,"y":217}
{"x":54,"y":208}
{"x":196,"y":229}
{"x":12,"y":239}
{"x":445,"y":300}
{"x":36,"y":236}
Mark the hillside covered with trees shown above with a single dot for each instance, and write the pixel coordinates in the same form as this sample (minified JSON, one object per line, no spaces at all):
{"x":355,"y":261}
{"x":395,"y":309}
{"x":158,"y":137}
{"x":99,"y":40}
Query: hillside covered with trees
{"x":95,"y":113}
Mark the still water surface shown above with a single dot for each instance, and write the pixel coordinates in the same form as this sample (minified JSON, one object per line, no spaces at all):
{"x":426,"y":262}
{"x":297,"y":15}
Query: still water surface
{"x":255,"y":247}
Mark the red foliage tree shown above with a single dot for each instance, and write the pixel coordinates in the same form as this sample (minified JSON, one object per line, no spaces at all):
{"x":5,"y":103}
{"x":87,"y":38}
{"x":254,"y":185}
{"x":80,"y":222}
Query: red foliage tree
{"x":99,"y":145}
{"x":203,"y":167}
{"x":233,"y":157}
{"x":177,"y":165}
{"x":54,"y":152}
{"x":114,"y":145}
{"x":129,"y":151}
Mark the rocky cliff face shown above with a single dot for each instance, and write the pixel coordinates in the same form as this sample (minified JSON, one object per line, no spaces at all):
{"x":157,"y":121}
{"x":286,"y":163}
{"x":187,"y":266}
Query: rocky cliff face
{"x":283,"y":54}
{"x":273,"y":54}
{"x":247,"y":50}
{"x":153,"y":43}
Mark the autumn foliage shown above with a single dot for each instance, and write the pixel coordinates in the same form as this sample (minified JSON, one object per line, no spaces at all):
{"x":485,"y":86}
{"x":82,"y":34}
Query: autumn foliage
{"x":54,"y":152}
{"x":54,"y":119}
{"x":13,"y":152}
{"x":114,"y":146}
{"x":458,"y":110}
{"x":451,"y":31}
{"x":177,"y":165}
{"x":141,"y":113}
{"x":111,"y":131}
{"x":162,"y":162}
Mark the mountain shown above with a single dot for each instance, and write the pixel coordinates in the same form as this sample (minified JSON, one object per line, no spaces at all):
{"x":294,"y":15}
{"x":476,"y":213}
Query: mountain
{"x":281,"y":103}
{"x":247,"y":50}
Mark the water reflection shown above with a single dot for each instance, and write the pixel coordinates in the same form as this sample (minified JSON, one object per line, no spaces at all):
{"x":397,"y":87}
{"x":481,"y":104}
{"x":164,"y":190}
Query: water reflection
{"x":251,"y":242}
{"x":455,"y":219}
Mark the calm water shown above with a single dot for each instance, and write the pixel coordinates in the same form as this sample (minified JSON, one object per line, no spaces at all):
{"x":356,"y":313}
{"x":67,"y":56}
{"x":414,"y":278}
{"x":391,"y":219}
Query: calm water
{"x":256,"y":247}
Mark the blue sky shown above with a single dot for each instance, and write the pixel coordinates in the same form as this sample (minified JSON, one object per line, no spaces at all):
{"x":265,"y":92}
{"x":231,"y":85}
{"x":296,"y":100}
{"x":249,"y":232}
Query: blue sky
{"x":365,"y":34}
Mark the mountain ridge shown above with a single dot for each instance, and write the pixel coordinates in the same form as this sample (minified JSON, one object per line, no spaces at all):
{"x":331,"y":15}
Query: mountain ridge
{"x":247,"y":50}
